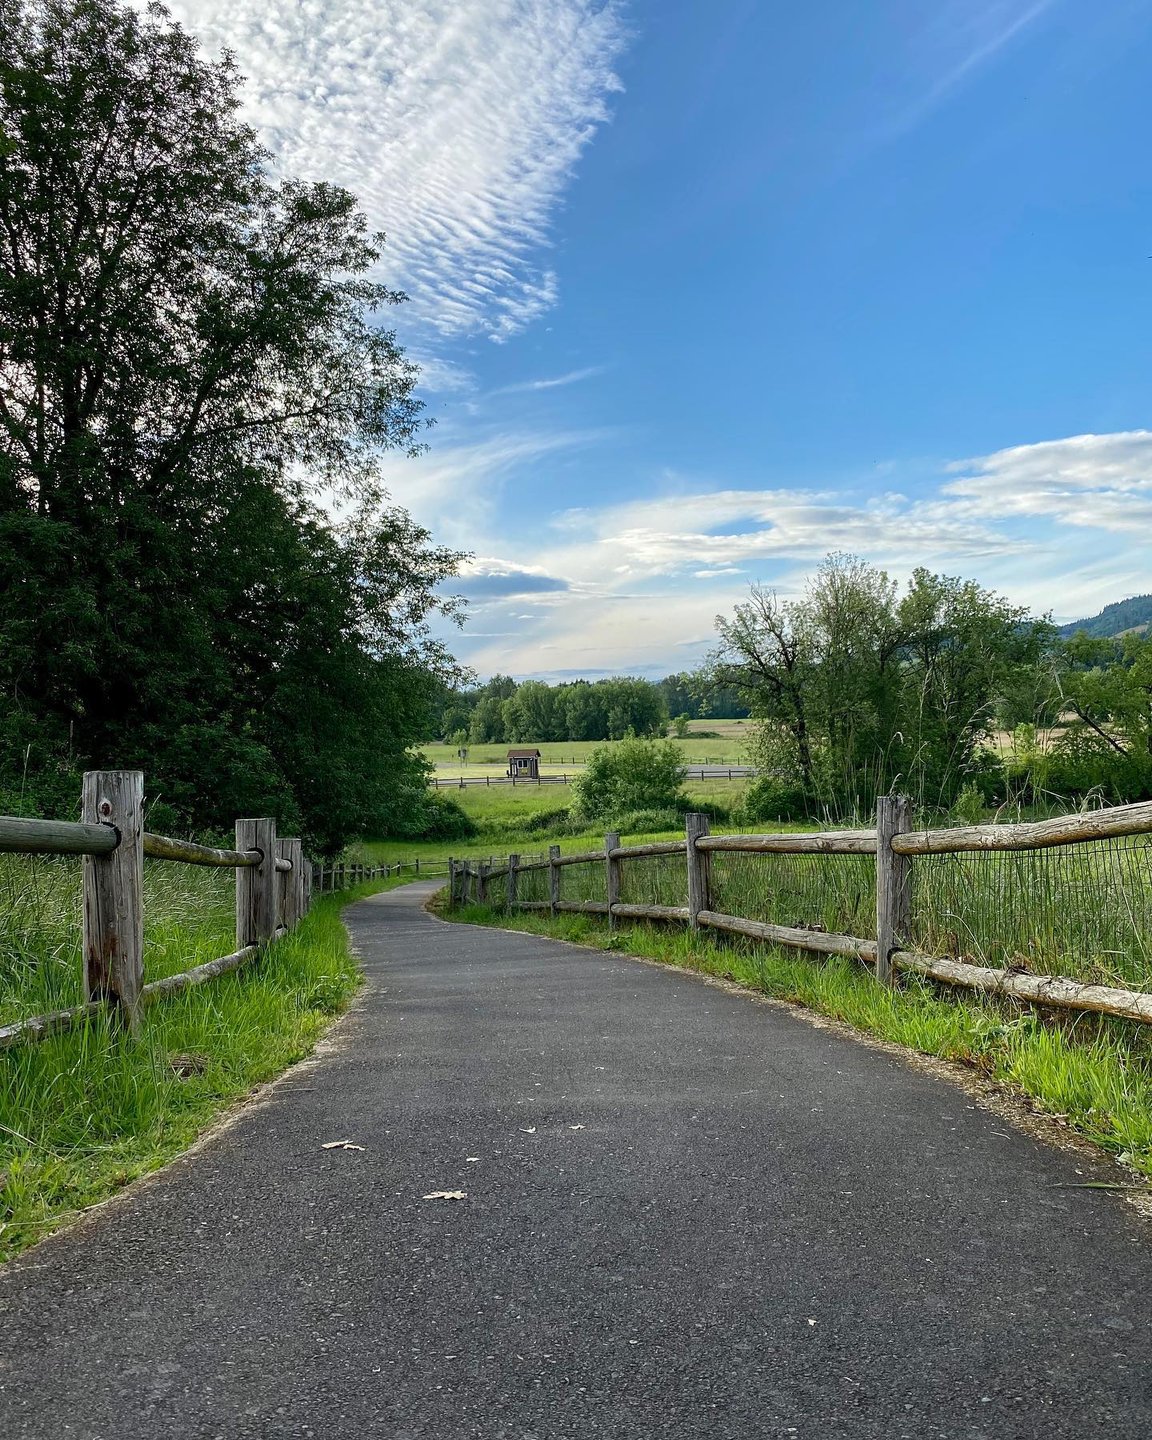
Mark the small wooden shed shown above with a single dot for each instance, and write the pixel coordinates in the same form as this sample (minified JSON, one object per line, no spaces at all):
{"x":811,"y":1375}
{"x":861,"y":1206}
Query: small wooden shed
{"x":524,"y":764}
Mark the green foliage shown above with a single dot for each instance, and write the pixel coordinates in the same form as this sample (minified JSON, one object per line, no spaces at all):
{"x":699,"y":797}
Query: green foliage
{"x":1114,"y":619}
{"x":859,"y":688}
{"x":503,"y":712}
{"x":634,"y":775}
{"x":770,"y":798}
{"x":189,"y":363}
{"x":679,"y":727}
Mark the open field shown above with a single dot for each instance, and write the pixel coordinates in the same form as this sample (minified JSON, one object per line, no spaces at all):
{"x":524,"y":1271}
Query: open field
{"x":505,"y":815}
{"x":556,"y":756}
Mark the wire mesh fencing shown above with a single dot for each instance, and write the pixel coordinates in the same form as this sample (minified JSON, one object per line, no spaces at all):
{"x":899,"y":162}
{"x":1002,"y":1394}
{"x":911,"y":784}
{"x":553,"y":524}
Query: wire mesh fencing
{"x":532,"y":886}
{"x":836,"y":893}
{"x":1082,"y":910}
{"x":654,"y":880}
{"x":189,"y":918}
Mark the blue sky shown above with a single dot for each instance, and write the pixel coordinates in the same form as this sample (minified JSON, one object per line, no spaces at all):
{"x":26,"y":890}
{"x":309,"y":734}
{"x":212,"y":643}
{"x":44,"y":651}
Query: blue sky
{"x":703,"y":292}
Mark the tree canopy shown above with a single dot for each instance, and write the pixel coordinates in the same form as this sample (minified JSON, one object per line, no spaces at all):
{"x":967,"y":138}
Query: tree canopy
{"x":191,"y":374}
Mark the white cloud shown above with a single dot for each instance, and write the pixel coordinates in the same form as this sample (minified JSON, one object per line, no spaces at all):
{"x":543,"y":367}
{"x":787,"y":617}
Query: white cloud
{"x":1061,"y":525}
{"x":573,"y":377}
{"x":458,"y":123}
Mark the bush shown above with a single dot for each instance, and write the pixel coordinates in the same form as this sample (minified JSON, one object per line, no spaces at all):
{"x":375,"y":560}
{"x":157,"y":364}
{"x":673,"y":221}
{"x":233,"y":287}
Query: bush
{"x":646,"y":822}
{"x":442,"y":819}
{"x":630,"y":776}
{"x":543,"y":821}
{"x":770,"y":798}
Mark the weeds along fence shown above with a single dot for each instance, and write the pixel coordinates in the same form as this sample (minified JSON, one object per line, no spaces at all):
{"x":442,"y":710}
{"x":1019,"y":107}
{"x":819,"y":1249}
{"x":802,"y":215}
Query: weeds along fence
{"x":1056,"y":912}
{"x":274,"y":887}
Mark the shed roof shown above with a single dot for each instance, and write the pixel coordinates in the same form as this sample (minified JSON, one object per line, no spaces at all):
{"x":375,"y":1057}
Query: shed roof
{"x":522,"y":754}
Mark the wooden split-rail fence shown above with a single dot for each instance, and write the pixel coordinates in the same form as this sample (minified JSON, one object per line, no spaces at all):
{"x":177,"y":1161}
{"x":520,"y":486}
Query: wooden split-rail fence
{"x":274,"y":886}
{"x":895,"y":845}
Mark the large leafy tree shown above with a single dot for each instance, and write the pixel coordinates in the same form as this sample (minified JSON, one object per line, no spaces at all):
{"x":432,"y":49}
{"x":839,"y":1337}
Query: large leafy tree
{"x":859,"y":688}
{"x":189,"y":362}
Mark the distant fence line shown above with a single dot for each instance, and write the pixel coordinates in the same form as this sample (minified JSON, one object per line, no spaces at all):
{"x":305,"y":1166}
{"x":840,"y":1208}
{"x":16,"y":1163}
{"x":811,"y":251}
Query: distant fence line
{"x":889,"y":879}
{"x":274,"y":886}
{"x":691,"y":772}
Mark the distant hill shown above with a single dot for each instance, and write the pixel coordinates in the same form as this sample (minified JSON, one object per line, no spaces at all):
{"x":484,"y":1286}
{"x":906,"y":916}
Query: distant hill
{"x":1114,"y":619}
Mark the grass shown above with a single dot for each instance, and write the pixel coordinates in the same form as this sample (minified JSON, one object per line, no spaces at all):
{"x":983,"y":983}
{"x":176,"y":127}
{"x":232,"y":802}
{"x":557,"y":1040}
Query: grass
{"x":504,"y":814}
{"x":726,"y":746}
{"x":1093,"y":1072}
{"x":190,"y":917}
{"x":83,"y":1114}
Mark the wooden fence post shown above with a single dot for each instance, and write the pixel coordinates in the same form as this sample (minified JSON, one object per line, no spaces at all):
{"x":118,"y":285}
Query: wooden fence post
{"x":256,"y":884}
{"x":482,"y":882}
{"x":513,"y":879}
{"x":307,"y":880}
{"x":893,"y":882}
{"x":451,"y":880}
{"x":699,"y":868}
{"x":553,"y":879}
{"x":294,"y":906}
{"x":113,"y":893}
{"x":283,"y":885}
{"x":612,"y":876}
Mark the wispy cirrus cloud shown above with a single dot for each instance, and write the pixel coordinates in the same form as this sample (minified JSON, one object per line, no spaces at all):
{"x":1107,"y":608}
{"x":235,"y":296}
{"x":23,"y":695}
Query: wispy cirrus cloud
{"x":458,"y":123}
{"x":554,"y":382}
{"x":956,"y":41}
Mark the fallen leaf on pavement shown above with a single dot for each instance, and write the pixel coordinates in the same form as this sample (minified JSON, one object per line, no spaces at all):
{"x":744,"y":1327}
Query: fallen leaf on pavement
{"x":340,"y":1145}
{"x":575,"y":1127}
{"x":446,"y":1195}
{"x":530,"y":1131}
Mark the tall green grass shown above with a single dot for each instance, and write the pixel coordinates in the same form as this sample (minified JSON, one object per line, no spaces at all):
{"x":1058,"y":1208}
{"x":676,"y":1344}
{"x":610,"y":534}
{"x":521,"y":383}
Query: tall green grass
{"x":189,"y":917}
{"x":84,"y":1113}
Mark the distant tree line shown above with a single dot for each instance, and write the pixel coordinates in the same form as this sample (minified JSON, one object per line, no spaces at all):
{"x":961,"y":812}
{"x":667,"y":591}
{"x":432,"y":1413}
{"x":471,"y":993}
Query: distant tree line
{"x":942,"y":689}
{"x":502,"y":711}
{"x":190,"y":370}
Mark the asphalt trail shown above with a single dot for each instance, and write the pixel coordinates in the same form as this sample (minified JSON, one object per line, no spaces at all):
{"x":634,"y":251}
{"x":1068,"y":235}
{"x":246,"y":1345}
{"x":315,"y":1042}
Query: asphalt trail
{"x":687,"y":1215}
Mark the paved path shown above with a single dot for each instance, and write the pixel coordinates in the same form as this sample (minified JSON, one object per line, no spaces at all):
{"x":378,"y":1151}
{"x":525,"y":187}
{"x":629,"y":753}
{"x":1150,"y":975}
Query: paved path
{"x":689,"y":1215}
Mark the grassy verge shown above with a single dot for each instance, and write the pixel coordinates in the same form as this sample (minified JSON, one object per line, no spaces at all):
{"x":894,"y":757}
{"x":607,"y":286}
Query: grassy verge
{"x":1092,"y":1072}
{"x":83,"y":1114}
{"x":515,"y":819}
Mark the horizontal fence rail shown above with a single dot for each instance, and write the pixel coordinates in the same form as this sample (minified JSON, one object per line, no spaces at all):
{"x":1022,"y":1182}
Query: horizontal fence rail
{"x":691,"y":772}
{"x":274,"y":886}
{"x":1075,"y":892}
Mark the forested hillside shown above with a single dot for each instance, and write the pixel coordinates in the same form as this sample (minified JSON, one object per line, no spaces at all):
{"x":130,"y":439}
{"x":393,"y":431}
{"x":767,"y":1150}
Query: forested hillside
{"x":1114,"y":619}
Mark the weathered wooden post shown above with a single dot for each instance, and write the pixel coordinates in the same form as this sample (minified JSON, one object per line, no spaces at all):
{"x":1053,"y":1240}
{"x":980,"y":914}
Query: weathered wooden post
{"x":283,"y":885}
{"x":113,"y":893}
{"x":699,"y":868}
{"x":513,"y":881}
{"x":451,"y":881}
{"x":612,"y":875}
{"x":295,"y":905}
{"x":893,"y":882}
{"x":256,"y":884}
{"x":482,"y":882}
{"x":553,"y":879}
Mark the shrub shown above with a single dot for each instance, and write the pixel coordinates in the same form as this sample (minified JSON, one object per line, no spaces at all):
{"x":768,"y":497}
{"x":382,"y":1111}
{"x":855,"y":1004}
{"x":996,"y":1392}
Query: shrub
{"x":442,"y":819}
{"x":545,"y":821}
{"x":646,"y":822}
{"x":770,"y":798}
{"x":630,"y":776}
